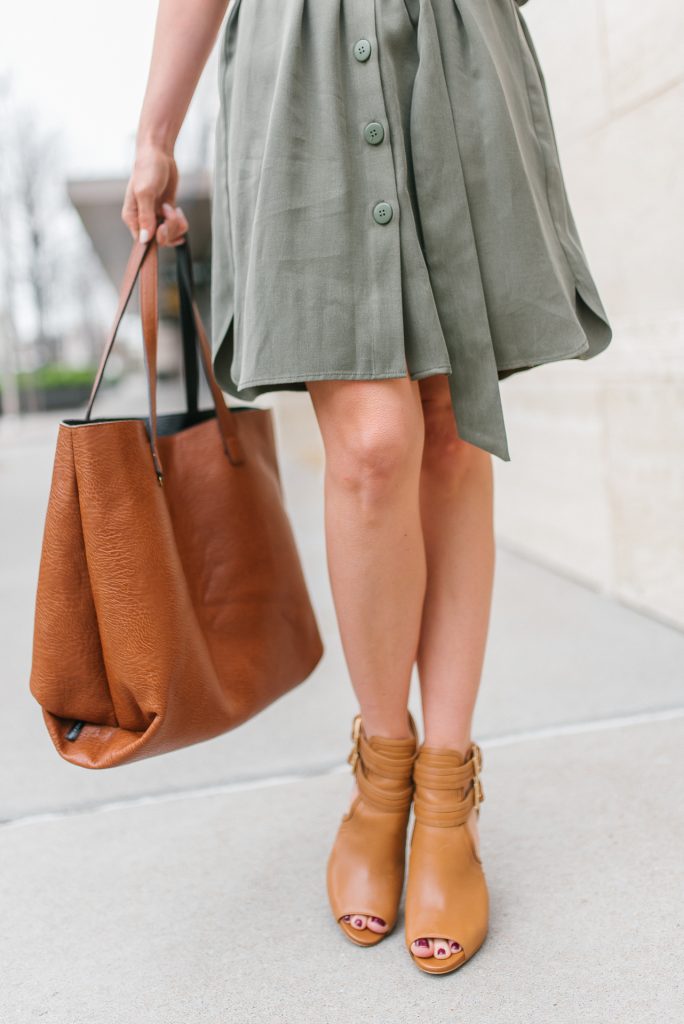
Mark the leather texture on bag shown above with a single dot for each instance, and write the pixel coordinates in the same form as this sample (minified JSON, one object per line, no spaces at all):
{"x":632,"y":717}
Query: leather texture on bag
{"x":166,"y":615}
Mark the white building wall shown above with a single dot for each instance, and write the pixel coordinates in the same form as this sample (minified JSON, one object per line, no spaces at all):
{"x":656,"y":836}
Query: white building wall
{"x":596,"y":482}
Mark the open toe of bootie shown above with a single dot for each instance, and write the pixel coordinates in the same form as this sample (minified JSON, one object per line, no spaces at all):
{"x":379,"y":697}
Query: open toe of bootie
{"x":363,"y":936}
{"x":446,"y":893}
{"x":436,"y":964}
{"x":366,"y":865}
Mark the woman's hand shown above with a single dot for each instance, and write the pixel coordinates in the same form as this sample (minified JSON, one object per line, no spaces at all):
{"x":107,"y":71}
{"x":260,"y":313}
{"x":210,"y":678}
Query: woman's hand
{"x":183,"y":38}
{"x":148,"y":206}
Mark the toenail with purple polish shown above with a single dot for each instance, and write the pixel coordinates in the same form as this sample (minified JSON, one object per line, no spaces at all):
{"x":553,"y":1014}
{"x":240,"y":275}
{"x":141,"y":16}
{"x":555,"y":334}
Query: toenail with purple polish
{"x":441,"y":951}
{"x":347,"y":917}
{"x":358,"y":922}
{"x":422,"y":942}
{"x":378,"y":920}
{"x":456,"y":946}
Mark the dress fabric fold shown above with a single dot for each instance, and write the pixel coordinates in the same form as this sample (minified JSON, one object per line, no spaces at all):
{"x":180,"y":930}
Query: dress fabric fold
{"x":388,"y":199}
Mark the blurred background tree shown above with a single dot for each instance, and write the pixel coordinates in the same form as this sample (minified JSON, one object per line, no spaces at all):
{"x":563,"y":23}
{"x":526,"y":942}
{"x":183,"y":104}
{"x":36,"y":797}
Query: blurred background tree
{"x":49,"y":280}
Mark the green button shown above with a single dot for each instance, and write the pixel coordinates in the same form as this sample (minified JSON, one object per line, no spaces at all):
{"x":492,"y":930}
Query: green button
{"x":374,"y":133}
{"x":382,"y":213}
{"x":362,"y":49}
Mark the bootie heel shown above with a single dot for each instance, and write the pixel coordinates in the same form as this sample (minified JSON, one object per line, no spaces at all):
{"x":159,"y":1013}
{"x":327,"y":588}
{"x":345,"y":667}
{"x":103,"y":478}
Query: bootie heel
{"x":446,"y":892}
{"x":366,"y":866}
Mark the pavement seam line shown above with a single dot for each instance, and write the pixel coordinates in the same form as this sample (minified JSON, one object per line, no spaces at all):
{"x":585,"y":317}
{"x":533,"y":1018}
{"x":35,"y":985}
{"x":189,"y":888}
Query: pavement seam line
{"x":269,"y":781}
{"x":579,"y":728}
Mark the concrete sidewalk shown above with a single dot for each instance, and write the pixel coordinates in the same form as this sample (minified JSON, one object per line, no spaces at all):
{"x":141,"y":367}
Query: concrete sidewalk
{"x":191,"y":888}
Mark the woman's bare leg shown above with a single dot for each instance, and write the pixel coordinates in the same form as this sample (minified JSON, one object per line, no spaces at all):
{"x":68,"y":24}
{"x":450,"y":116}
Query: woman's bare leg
{"x":373,"y":437}
{"x":456,"y":494}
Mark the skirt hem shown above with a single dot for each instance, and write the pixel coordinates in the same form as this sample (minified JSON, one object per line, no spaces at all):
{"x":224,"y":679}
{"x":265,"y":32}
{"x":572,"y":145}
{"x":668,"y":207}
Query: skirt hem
{"x":302,"y":378}
{"x":517,"y":367}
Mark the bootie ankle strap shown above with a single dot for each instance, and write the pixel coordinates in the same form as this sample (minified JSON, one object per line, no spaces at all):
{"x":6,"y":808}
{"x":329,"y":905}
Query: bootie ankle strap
{"x":441,"y":771}
{"x":381,"y":765}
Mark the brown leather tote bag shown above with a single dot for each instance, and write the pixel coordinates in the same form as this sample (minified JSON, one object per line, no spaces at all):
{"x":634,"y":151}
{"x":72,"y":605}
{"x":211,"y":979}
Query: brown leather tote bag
{"x":171,"y":604}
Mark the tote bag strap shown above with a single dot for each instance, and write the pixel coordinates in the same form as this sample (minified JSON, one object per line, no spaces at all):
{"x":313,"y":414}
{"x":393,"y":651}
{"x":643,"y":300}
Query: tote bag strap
{"x":143,"y":262}
{"x":186,"y":292}
{"x":231,"y":441}
{"x":149,"y":287}
{"x":138,"y":253}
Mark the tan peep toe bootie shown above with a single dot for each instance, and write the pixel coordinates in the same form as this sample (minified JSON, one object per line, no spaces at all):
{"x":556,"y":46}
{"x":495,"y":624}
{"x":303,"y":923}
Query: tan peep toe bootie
{"x":366,"y":866}
{"x":446,"y":892}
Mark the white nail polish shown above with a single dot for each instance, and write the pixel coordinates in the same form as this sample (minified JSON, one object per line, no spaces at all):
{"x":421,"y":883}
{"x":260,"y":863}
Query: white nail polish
{"x":144,"y":236}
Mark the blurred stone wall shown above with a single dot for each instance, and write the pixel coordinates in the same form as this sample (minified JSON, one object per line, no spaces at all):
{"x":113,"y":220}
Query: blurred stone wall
{"x":596,"y":482}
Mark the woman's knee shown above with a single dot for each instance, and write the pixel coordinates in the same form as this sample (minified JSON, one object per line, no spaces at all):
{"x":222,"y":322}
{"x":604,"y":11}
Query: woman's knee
{"x":374,"y":440}
{"x":445,"y":453}
{"x":376,"y":457}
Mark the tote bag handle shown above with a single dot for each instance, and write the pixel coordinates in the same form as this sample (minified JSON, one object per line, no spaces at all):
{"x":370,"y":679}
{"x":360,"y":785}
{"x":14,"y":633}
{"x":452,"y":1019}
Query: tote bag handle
{"x":143,"y":262}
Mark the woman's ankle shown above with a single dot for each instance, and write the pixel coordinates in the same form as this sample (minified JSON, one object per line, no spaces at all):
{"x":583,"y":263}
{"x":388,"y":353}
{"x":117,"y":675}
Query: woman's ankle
{"x":449,"y":740}
{"x":395,"y":727}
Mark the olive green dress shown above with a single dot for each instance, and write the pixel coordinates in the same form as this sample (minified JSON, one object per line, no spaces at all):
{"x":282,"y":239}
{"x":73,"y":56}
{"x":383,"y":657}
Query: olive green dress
{"x":388,"y":199}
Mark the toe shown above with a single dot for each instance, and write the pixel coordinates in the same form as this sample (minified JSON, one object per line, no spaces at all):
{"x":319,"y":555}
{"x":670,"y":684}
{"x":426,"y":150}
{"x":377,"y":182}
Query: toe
{"x":376,"y":924}
{"x":358,"y":921}
{"x":422,"y":947}
{"x":441,"y":949}
{"x":454,"y":947}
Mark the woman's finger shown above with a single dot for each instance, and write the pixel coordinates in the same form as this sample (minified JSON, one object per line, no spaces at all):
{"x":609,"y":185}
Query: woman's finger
{"x":174,"y":227}
{"x":147,"y":216}
{"x":129,"y":213}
